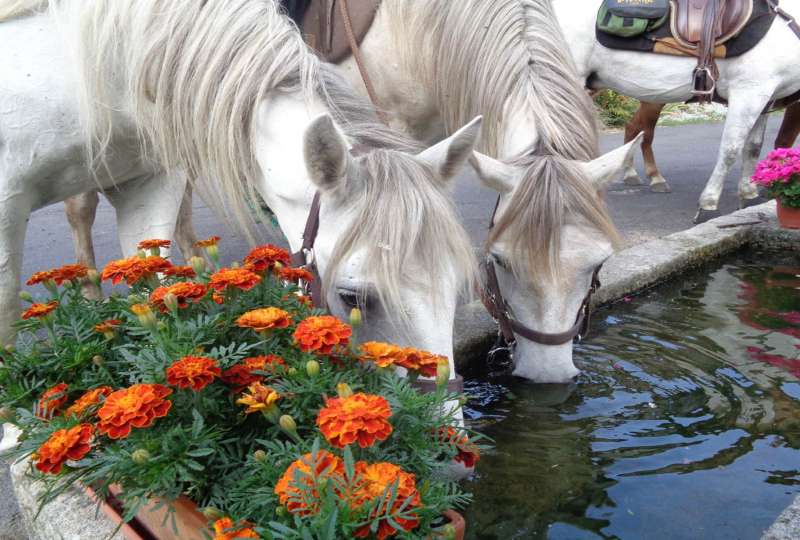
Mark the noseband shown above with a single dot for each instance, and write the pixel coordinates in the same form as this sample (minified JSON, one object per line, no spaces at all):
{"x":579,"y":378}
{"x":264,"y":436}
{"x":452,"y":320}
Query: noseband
{"x":510,"y":327}
{"x":305,"y":258}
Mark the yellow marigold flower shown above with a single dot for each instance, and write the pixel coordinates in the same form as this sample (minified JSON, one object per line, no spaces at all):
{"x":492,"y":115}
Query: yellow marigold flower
{"x":258,"y":398}
{"x":382,"y":354}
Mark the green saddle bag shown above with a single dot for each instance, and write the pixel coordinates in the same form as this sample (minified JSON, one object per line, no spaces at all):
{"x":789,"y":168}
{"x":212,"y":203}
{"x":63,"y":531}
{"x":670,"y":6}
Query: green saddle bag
{"x":610,"y":22}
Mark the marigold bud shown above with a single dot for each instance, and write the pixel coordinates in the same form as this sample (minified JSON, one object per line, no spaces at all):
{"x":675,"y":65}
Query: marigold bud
{"x":355,"y":317}
{"x":344,"y":390}
{"x":463,"y":400}
{"x":25,"y":295}
{"x":141,"y":254}
{"x":171,"y":302}
{"x":259,"y":455}
{"x":213,"y":252}
{"x":93,"y":276}
{"x":280,"y":511}
{"x":287,"y":423}
{"x":312,"y":368}
{"x":198,"y":264}
{"x":292,"y":372}
{"x":140,"y":456}
{"x":155,"y":252}
{"x":442,"y":373}
{"x":7,"y":414}
{"x":448,"y":532}
{"x":276,"y":266}
{"x":51,"y":286}
{"x":10,"y":348}
{"x":212,"y":513}
{"x":97,"y":360}
{"x":145,"y":315}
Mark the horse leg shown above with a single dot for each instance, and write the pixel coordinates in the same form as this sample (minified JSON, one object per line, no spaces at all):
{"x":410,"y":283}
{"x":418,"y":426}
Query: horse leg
{"x":14,"y":214}
{"x":790,"y":127}
{"x":185,"y":236}
{"x":81,"y":211}
{"x":748,"y":192}
{"x":744,"y":110}
{"x":645,"y":121}
{"x":147,"y":207}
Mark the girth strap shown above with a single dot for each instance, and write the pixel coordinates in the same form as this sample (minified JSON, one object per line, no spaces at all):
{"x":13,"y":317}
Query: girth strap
{"x":790,"y":21}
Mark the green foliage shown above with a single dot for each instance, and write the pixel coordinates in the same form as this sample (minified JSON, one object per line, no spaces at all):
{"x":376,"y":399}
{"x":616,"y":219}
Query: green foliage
{"x":206,"y":447}
{"x":787,"y":192}
{"x":615,"y":109}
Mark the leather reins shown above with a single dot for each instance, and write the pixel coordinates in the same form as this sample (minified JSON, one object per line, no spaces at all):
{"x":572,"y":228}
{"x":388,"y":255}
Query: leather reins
{"x":509,"y":327}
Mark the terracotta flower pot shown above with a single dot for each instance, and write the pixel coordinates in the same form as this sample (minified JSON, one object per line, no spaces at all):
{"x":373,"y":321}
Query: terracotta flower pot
{"x":150,"y":523}
{"x":788,"y":217}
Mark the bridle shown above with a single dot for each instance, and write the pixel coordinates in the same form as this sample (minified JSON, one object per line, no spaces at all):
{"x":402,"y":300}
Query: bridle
{"x":508,"y":325}
{"x":305,"y":257}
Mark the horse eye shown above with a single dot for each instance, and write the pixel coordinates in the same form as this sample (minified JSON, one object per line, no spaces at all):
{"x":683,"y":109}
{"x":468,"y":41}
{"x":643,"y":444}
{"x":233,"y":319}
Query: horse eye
{"x":354,"y":299}
{"x":501,"y":262}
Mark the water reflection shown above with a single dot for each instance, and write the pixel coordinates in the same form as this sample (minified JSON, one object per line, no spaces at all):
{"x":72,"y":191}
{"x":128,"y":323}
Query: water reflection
{"x":684,"y":424}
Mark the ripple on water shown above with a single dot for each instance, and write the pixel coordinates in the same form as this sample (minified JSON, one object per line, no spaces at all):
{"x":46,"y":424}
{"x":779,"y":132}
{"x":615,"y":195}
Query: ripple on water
{"x":685,"y":422}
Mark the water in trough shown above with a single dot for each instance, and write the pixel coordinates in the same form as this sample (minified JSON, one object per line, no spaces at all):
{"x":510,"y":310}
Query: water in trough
{"x":685,"y":422}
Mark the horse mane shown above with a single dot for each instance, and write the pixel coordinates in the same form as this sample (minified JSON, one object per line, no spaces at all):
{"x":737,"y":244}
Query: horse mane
{"x":10,"y":9}
{"x":499,"y":58}
{"x":193,"y":76}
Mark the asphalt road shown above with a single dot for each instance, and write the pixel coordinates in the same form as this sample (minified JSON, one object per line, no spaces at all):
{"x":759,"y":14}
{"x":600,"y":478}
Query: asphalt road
{"x":686,"y":156}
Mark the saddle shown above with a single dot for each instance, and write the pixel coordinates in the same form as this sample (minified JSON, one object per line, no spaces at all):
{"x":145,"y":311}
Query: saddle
{"x":324,"y":27}
{"x":702,"y":27}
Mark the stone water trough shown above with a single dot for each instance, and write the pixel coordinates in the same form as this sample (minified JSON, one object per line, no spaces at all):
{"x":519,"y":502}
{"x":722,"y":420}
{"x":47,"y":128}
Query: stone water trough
{"x":74,"y":516}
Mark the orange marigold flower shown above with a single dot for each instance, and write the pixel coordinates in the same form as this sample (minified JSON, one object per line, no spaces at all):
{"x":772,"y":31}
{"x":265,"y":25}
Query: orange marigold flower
{"x":180,"y":271}
{"x":296,"y":489}
{"x":382,"y":354}
{"x":258,"y":398}
{"x":40,"y":277}
{"x":107,"y":327}
{"x":64,"y":445}
{"x":88,"y":399}
{"x":52,"y":400}
{"x":362,"y":418}
{"x":468,"y":453}
{"x":154,"y":243}
{"x":195,"y":372}
{"x":264,"y":257}
{"x":136,"y":406}
{"x":423,"y":362}
{"x":237,"y":278}
{"x":241,"y":375}
{"x":208,"y":242}
{"x":264,"y":319}
{"x":376,"y":483}
{"x":295,"y":274}
{"x":39,"y":311}
{"x":184,"y":291}
{"x":321,"y":334}
{"x":225,"y":529}
{"x":133,"y":269}
{"x":69,"y":272}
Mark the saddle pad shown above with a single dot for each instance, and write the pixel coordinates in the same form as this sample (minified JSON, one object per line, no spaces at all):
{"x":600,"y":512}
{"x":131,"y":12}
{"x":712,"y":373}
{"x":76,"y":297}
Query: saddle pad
{"x":331,"y":43}
{"x":756,"y":28}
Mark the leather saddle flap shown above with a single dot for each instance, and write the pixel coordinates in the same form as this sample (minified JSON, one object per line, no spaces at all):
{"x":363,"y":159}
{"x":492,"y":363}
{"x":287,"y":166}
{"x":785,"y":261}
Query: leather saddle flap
{"x":323,"y":26}
{"x":688,"y":19}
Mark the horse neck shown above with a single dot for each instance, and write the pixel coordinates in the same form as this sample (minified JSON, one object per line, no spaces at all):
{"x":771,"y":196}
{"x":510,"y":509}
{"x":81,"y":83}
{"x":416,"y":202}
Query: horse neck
{"x":281,"y":123}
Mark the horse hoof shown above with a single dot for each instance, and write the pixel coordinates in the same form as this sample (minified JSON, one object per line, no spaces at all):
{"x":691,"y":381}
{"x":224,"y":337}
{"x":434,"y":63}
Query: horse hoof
{"x":660,"y":187}
{"x":704,"y":215}
{"x":632,"y":180}
{"x":755,"y":201}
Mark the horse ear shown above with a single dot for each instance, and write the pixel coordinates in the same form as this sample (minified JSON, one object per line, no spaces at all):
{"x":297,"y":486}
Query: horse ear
{"x":449,"y":155}
{"x":609,"y":167}
{"x":493,"y":172}
{"x":326,"y":153}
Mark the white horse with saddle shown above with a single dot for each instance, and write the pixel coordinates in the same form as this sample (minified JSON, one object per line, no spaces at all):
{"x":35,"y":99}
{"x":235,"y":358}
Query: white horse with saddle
{"x":755,"y":66}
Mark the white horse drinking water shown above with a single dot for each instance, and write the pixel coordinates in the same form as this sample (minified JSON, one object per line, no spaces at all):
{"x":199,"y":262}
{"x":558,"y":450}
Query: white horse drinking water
{"x":769,"y":71}
{"x":250,"y":113}
{"x":435,"y":65}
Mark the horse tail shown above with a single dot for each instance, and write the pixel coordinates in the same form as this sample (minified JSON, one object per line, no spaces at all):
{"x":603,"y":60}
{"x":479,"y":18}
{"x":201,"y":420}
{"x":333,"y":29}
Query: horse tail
{"x":10,"y":9}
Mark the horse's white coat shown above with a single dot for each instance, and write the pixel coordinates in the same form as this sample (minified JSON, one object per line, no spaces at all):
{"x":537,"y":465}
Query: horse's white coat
{"x":769,"y":71}
{"x":42,"y":155}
